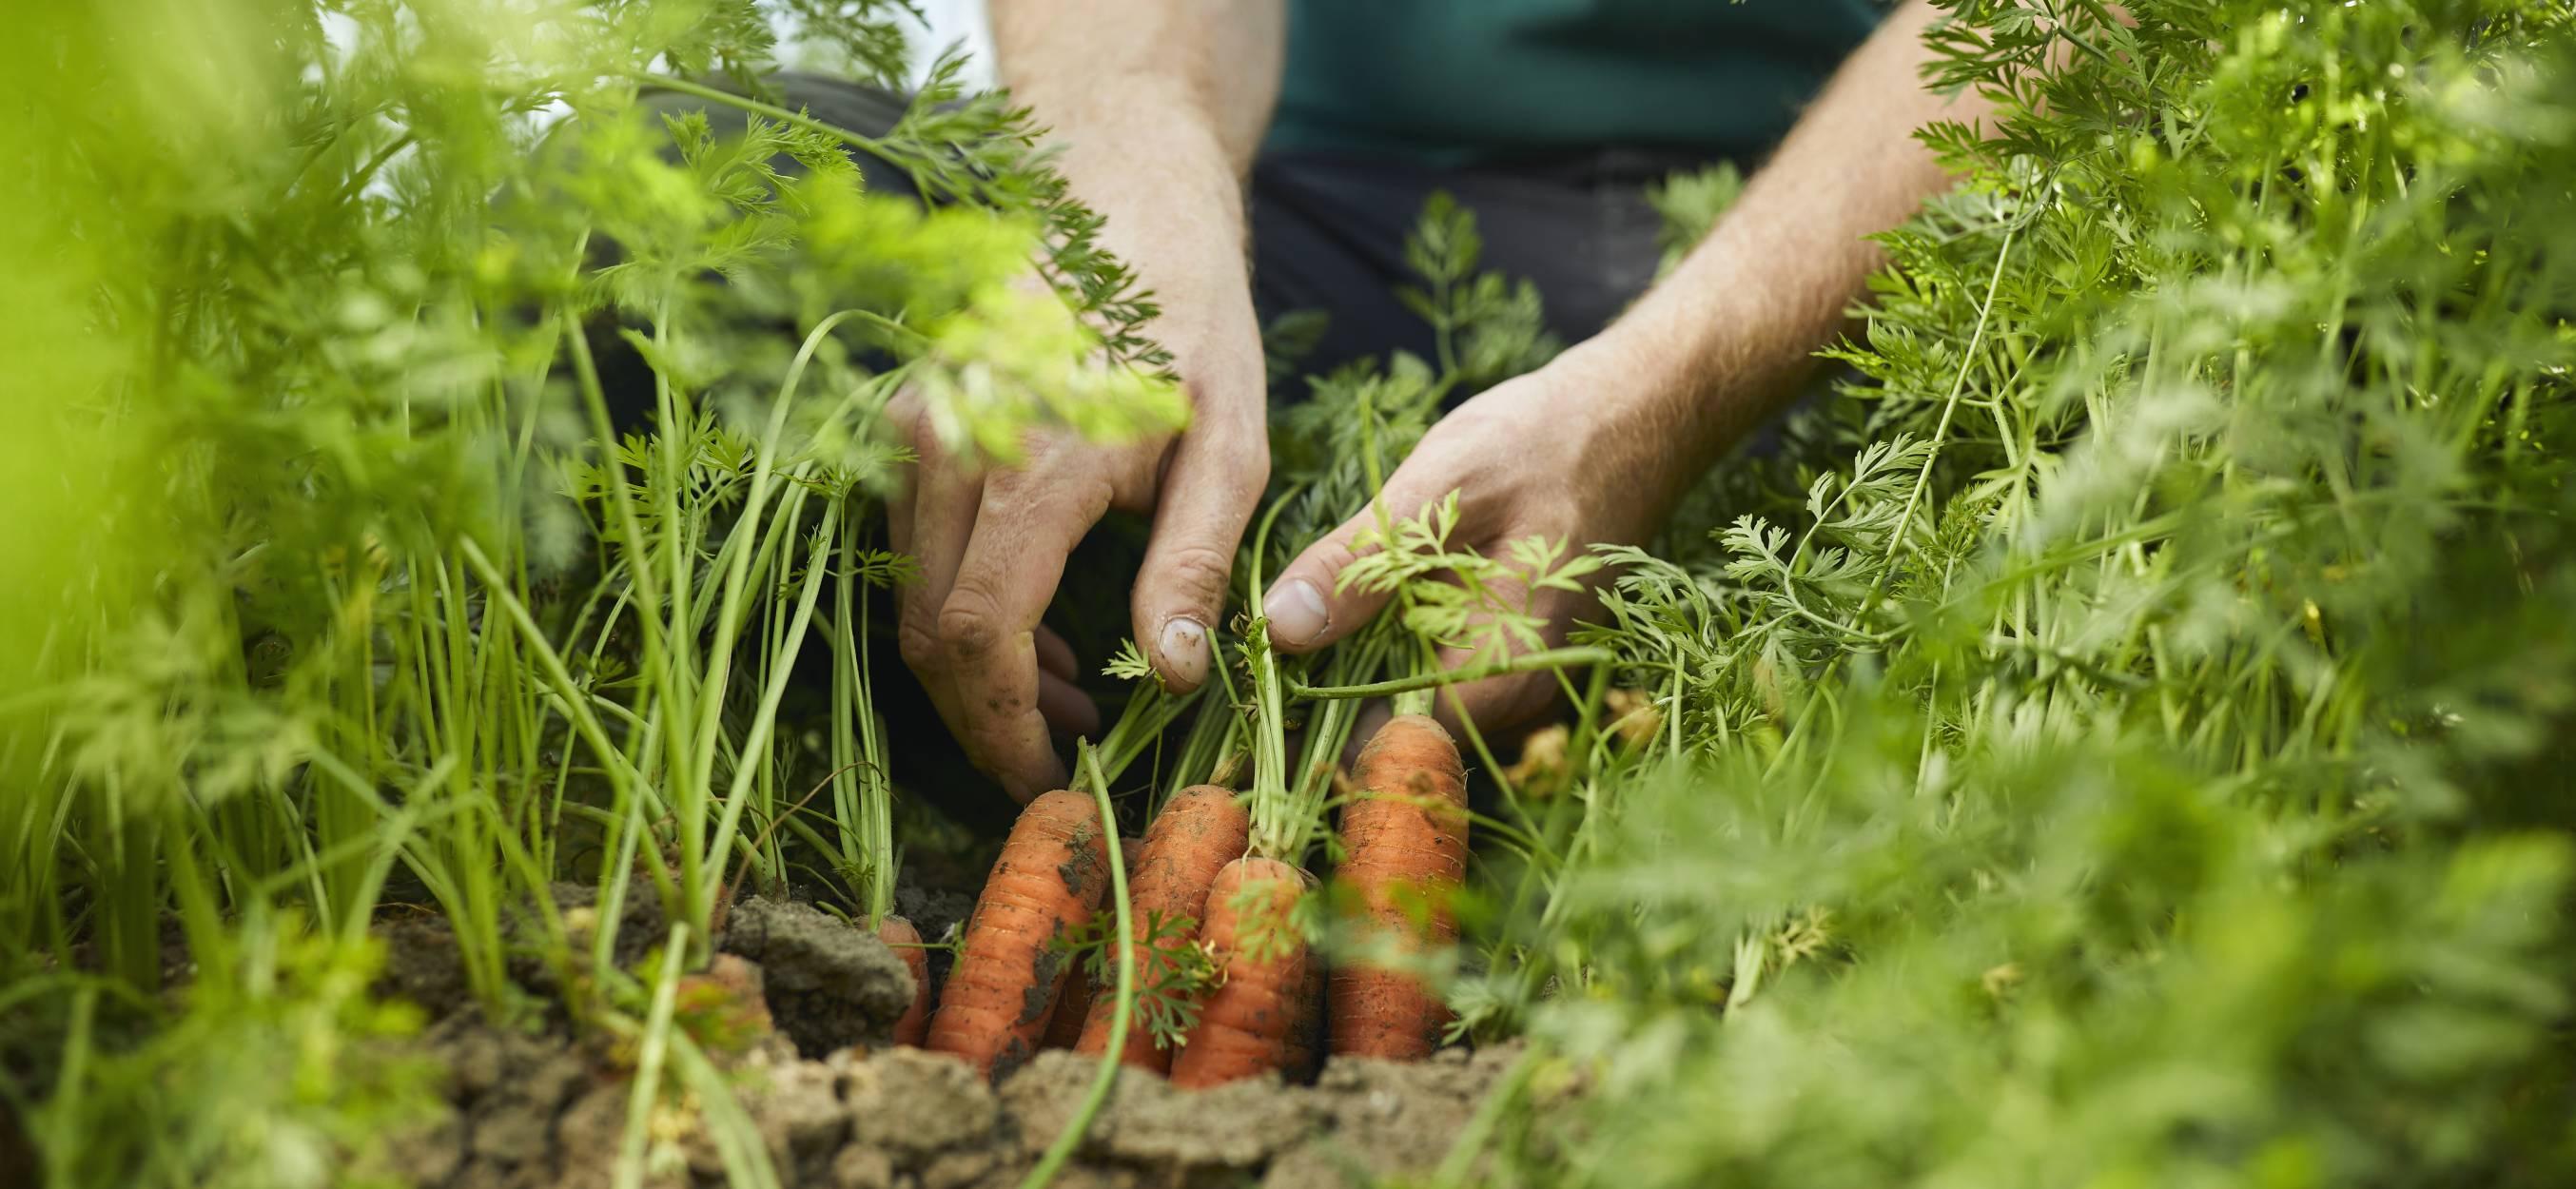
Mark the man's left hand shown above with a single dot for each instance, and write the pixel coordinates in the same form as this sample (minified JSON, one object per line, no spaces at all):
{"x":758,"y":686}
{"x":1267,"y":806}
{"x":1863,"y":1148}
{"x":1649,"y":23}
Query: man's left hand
{"x":1575,"y":452}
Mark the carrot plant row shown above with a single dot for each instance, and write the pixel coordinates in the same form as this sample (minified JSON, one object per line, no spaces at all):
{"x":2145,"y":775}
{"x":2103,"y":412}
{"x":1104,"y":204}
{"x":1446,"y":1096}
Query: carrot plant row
{"x":430,"y":514}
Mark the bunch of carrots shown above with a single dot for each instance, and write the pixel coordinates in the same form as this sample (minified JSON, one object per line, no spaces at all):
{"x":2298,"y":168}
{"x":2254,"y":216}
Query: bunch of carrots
{"x":1214,"y":886}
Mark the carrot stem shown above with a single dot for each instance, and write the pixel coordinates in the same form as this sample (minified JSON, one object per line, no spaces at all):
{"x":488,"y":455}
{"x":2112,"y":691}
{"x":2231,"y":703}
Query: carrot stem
{"x":1123,"y":1006}
{"x":1275,"y":831}
{"x":1139,"y":727}
{"x":651,"y":1044}
{"x":1551,"y":658}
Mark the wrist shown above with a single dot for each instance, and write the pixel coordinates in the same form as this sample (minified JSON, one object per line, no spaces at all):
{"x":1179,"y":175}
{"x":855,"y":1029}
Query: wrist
{"x":1176,"y":219}
{"x":1173,"y":213}
{"x":1609,"y":406}
{"x":1144,"y":149}
{"x":1646,"y":396}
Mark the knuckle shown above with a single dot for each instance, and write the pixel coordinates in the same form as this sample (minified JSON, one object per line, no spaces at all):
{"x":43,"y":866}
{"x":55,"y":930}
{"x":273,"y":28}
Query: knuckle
{"x":1013,"y":494}
{"x":918,"y":640}
{"x":1035,"y":496}
{"x":970,"y":623}
{"x":1200,"y":572}
{"x":1333,"y":553}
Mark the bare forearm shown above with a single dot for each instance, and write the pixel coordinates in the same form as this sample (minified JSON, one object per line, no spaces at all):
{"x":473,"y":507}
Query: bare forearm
{"x":1158,"y":106}
{"x":1729,"y":335}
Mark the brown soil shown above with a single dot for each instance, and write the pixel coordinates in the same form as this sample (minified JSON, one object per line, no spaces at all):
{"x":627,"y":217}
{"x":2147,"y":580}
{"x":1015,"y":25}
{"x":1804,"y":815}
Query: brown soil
{"x":540,"y":1111}
{"x":829,"y":983}
{"x":540,"y":1108}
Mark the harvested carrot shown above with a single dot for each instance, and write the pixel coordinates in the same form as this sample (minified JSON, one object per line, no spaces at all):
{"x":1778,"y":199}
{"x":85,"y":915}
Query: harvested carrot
{"x":1306,"y":1039}
{"x":1064,"y":1024}
{"x":905,"y":941}
{"x":1047,"y":883}
{"x":1244,"y":1027}
{"x":1407,"y":843}
{"x":1081,"y":991}
{"x":1198,"y":832}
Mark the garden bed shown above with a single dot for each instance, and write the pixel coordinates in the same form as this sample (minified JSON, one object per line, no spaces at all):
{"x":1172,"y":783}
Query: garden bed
{"x":837,"y":1107}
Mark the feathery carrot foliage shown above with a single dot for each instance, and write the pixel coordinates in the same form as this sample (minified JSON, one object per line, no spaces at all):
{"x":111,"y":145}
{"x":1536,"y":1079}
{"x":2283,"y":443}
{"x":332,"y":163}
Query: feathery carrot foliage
{"x":2125,"y":736}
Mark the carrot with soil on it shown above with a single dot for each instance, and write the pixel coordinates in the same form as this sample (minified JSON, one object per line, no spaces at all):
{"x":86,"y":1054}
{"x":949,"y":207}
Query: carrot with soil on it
{"x":1406,"y":840}
{"x":905,"y":941}
{"x":1306,"y":1038}
{"x":1200,"y":830}
{"x":1249,"y":926}
{"x":1010,"y":968}
{"x":1246,"y":1023}
{"x":1081,"y":995}
{"x":1072,"y":1005}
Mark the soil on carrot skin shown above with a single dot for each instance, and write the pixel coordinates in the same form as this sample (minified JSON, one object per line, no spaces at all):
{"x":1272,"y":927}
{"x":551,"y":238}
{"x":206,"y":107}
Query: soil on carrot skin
{"x":537,"y":1107}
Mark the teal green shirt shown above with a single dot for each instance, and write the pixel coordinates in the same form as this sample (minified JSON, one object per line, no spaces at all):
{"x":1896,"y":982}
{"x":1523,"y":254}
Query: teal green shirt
{"x":1451,"y":82}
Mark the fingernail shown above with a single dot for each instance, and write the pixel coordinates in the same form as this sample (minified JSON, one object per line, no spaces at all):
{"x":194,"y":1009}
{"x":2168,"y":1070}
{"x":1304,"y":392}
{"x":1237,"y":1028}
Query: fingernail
{"x":1296,"y":613}
{"x":1185,"y":650}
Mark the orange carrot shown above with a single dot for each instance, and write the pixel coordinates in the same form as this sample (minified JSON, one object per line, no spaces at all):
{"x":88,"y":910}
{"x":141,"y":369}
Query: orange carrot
{"x":1244,"y":1027}
{"x":1306,"y":1039}
{"x":1198,"y":832}
{"x":1407,"y":843}
{"x":1081,"y":991}
{"x":900,"y":936}
{"x":1046,"y":884}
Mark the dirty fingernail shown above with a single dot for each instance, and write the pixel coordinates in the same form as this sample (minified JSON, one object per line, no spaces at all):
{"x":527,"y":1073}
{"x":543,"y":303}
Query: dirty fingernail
{"x":1185,"y":650}
{"x":1295,"y":610}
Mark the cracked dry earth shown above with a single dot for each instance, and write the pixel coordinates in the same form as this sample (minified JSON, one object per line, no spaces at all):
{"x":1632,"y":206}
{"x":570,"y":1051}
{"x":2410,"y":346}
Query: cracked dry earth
{"x":838,"y":1109}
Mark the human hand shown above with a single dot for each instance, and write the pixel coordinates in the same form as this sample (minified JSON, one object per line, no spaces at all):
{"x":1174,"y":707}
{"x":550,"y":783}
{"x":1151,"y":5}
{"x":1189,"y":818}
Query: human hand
{"x":992,"y":545}
{"x":1580,"y":452}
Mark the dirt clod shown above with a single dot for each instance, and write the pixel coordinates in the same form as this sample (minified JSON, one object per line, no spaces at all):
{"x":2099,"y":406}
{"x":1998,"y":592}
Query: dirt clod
{"x":1381,"y":1115}
{"x":862,"y":1168}
{"x":917,"y":1104}
{"x":421,"y":964}
{"x":1168,"y":1136}
{"x":798,"y":1108}
{"x":830,"y":984}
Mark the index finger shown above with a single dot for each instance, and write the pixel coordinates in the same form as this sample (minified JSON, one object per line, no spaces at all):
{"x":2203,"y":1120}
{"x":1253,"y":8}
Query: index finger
{"x":988,"y":626}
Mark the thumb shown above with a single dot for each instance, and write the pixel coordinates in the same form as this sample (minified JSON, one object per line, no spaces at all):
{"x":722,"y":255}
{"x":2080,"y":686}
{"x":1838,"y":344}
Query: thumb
{"x":1208,"y":494}
{"x":1308,"y":606}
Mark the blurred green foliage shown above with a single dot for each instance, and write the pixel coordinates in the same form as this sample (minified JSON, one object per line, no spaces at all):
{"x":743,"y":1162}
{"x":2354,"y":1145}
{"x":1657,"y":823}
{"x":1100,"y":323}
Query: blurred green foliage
{"x":333,"y":576}
{"x":2126,"y":742}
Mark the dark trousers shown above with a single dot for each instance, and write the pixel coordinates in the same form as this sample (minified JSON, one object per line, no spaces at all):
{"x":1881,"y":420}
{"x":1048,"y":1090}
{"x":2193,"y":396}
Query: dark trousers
{"x":1328,"y":230}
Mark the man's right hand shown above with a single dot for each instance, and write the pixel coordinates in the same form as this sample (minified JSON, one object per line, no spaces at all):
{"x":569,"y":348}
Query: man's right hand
{"x":1157,"y":107}
{"x":992,"y":545}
